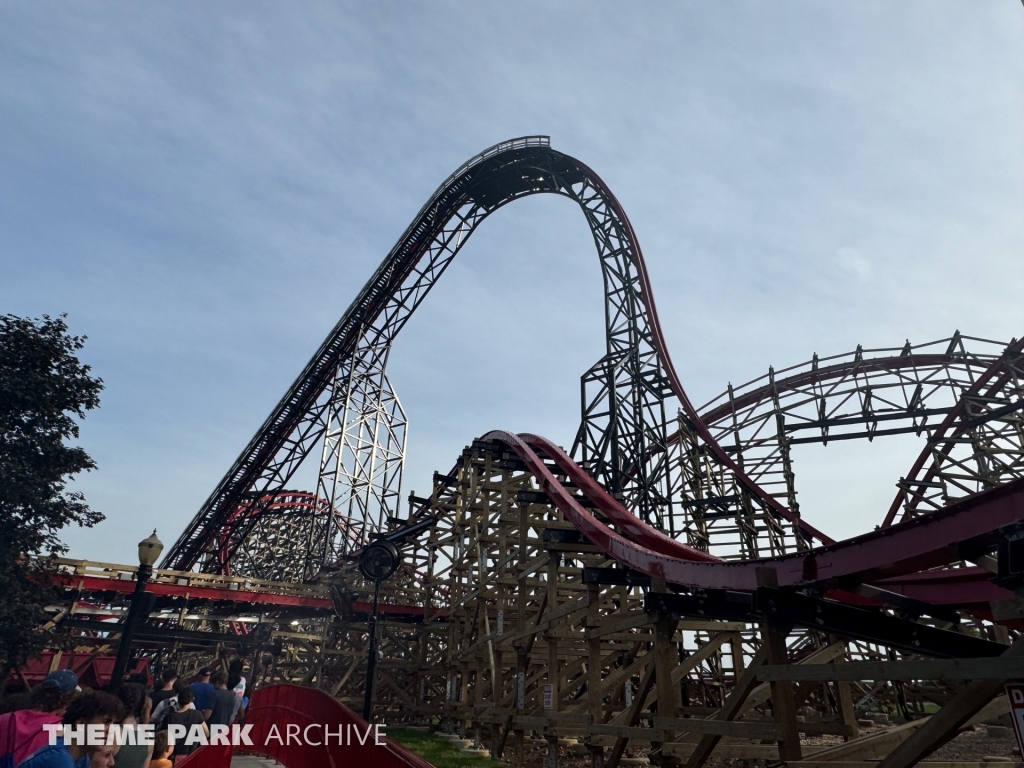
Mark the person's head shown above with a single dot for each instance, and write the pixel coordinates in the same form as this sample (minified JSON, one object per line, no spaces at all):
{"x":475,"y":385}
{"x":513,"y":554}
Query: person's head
{"x":234,"y":672}
{"x":103,"y":757}
{"x":64,"y":680}
{"x":219,"y":679}
{"x":179,"y":686}
{"x":185,"y":697}
{"x":161,"y":749}
{"x":89,"y":708}
{"x":47,"y":698}
{"x":93,"y":707}
{"x":168,"y":676}
{"x":204,"y":675}
{"x":133,"y":696}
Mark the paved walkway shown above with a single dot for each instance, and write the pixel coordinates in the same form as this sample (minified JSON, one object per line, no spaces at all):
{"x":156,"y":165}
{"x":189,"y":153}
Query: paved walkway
{"x":251,"y":761}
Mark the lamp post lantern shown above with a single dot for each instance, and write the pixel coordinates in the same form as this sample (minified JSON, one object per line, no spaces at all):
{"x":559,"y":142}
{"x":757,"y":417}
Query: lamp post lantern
{"x":149,"y":552}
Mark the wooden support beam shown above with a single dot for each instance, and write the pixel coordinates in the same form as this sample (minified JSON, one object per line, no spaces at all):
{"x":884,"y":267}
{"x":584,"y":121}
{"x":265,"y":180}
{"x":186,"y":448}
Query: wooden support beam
{"x":773,"y":635}
{"x":646,"y":682}
{"x":877,"y":745}
{"x":762,"y":693}
{"x":729,"y":728}
{"x":1000,"y":668}
{"x":595,"y":697}
{"x":705,"y":651}
{"x":746,"y":683}
{"x":946,"y":723}
{"x":736,"y":644}
{"x":847,"y":711}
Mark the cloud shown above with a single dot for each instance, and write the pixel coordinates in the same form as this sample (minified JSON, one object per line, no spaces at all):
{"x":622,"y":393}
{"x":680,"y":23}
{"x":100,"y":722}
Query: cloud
{"x":854,"y":263}
{"x":206,"y":187}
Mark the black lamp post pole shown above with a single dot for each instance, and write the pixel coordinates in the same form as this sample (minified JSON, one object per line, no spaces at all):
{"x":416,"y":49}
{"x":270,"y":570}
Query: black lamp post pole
{"x":371,"y":659}
{"x":124,"y":647}
{"x":377,"y":562}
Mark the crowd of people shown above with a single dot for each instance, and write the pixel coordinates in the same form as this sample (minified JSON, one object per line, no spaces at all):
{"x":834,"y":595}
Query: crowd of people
{"x":216,"y":696}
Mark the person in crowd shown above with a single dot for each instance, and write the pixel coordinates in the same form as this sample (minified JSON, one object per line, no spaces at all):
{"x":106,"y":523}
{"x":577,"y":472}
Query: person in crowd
{"x":161,"y":752}
{"x":247,"y":694}
{"x":91,"y":707}
{"x":105,"y":756}
{"x":55,"y":692}
{"x":137,"y":705}
{"x":165,"y":707}
{"x":168,"y":676}
{"x":12,"y":702}
{"x":236,"y":682}
{"x":21,"y":731}
{"x":203,"y":692}
{"x":225,"y":704}
{"x":186,"y":715}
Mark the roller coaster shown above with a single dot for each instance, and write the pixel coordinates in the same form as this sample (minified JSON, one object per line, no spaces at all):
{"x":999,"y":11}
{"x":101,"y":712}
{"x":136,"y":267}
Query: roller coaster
{"x":656,"y":586}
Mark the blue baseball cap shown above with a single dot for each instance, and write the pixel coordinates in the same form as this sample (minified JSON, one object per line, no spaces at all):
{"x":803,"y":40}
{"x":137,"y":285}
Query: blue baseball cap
{"x":64,"y":680}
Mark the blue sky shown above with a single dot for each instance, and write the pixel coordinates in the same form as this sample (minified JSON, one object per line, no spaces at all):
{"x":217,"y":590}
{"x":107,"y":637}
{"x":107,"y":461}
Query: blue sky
{"x":204,"y":187}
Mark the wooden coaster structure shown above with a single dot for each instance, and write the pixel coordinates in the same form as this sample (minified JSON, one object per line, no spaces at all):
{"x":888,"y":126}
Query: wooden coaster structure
{"x":656,"y":586}
{"x":504,"y":620}
{"x":529,"y":628}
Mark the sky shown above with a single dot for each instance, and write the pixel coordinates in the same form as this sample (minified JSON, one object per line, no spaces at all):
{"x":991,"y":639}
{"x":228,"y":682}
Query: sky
{"x":204,"y":187}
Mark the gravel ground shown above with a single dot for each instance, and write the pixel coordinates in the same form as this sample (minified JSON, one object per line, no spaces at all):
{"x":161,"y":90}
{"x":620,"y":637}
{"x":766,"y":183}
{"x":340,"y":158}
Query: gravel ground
{"x":975,"y":744}
{"x":568,"y":757}
{"x":979,"y":742}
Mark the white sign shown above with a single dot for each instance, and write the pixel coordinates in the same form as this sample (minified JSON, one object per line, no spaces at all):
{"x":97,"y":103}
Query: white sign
{"x":549,"y":696}
{"x":501,"y":623}
{"x":521,"y":691}
{"x":629,"y":693}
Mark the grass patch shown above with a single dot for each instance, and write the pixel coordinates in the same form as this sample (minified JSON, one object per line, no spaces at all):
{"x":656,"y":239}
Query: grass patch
{"x":437,"y":751}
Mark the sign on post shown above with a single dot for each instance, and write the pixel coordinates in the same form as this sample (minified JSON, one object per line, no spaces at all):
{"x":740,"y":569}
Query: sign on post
{"x":1015,"y":695}
{"x":549,"y":696}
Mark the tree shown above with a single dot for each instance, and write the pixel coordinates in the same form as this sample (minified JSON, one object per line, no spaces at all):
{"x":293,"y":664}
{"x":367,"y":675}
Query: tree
{"x":44,"y":392}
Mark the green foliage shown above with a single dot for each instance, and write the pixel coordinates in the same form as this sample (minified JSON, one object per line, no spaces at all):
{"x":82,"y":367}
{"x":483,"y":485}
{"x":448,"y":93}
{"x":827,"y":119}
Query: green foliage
{"x":437,"y":752}
{"x":44,"y":390}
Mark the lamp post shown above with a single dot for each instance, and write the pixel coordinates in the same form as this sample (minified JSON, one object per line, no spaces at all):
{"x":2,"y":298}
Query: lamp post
{"x":149,"y":551}
{"x":377,"y":563}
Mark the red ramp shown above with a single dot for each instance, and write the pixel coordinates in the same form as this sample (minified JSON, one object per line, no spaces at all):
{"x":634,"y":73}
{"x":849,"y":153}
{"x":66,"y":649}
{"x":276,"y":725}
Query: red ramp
{"x":289,"y":723}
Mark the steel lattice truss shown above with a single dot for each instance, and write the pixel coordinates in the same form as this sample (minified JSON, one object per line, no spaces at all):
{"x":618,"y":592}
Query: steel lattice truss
{"x":363,"y":454}
{"x":969,"y":389}
{"x":341,"y":403}
{"x":274,"y":522}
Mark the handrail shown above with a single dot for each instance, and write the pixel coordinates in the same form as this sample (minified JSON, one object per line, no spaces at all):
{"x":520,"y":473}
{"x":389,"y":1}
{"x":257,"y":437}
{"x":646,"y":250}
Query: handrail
{"x":118,"y":572}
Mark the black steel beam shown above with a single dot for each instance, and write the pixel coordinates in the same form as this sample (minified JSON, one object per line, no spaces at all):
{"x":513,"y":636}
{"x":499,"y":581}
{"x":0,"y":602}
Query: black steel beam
{"x":148,"y":634}
{"x":871,"y":625}
{"x":787,"y":607}
{"x":619,"y":576}
{"x":712,"y":604}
